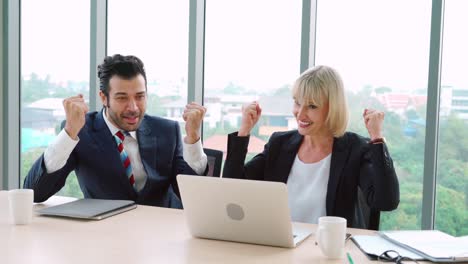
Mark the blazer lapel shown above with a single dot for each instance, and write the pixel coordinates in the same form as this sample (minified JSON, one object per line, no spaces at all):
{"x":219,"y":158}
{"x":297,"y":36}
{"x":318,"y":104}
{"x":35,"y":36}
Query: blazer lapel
{"x":340,"y":154}
{"x":148,"y":145}
{"x":105,"y":140}
{"x":286,"y":158}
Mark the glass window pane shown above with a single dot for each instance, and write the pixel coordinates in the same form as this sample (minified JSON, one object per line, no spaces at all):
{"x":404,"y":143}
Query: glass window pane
{"x":54,"y":66}
{"x":452,"y":167}
{"x":381,"y":50}
{"x":252,"y":53}
{"x":156,"y":31}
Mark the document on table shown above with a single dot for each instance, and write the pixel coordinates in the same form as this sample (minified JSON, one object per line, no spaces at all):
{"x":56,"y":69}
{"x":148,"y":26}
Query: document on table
{"x":433,"y":245}
{"x":374,"y":246}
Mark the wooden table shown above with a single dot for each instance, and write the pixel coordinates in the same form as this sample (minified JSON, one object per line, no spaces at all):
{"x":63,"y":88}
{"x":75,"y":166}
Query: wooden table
{"x":143,"y":235}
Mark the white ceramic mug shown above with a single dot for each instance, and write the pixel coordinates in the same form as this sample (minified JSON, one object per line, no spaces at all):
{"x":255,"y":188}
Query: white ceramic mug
{"x":330,"y":235}
{"x":21,"y":205}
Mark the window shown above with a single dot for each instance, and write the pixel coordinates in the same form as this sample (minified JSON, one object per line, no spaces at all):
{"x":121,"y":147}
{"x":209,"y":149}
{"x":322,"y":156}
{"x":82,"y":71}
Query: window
{"x":452,"y":165}
{"x":156,"y":31}
{"x":54,"y":66}
{"x":252,"y":52}
{"x":384,"y":65}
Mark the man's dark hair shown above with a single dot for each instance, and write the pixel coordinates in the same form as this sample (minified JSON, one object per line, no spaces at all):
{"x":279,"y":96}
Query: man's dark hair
{"x":126,"y":67}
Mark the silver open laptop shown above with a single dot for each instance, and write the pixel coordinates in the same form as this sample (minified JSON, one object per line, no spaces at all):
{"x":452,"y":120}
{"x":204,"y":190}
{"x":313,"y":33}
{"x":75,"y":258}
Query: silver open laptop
{"x":239,"y":210}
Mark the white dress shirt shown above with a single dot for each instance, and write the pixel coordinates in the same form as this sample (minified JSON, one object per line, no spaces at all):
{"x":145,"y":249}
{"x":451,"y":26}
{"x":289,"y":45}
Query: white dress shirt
{"x":307,"y":189}
{"x":58,"y":152}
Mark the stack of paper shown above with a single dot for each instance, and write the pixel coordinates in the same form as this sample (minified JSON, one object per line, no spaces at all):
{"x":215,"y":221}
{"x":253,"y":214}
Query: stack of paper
{"x":433,"y":245}
{"x":374,"y":246}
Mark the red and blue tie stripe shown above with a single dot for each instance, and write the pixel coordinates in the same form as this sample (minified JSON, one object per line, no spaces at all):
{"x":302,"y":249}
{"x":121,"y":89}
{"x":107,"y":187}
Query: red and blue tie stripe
{"x":119,"y":138}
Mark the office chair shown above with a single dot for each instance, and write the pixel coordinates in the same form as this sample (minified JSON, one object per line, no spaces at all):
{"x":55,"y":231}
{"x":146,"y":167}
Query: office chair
{"x":364,"y":216}
{"x":215,"y":160}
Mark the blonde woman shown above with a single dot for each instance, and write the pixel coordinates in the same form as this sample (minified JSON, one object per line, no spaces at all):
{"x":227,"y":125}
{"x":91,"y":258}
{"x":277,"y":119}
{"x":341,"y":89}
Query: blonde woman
{"x":321,"y":163}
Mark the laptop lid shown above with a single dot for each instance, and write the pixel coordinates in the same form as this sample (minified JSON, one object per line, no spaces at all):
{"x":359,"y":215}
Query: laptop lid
{"x":92,"y":209}
{"x":238,"y":210}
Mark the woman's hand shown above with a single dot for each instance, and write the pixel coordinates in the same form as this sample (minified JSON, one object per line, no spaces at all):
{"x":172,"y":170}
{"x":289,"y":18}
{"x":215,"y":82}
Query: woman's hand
{"x":373,"y":119}
{"x":251,"y":113}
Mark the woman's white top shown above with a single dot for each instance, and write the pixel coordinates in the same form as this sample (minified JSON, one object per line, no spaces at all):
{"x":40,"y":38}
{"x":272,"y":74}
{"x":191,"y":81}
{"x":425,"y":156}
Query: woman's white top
{"x":307,"y":189}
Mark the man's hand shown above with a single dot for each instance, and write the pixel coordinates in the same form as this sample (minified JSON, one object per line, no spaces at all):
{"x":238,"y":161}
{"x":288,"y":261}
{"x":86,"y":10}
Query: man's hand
{"x":193,"y":117}
{"x":373,"y":119}
{"x":251,"y":113}
{"x":75,"y":111}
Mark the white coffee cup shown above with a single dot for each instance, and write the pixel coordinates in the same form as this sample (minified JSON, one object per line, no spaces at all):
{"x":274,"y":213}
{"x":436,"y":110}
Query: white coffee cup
{"x":21,"y":205}
{"x":330,"y":235}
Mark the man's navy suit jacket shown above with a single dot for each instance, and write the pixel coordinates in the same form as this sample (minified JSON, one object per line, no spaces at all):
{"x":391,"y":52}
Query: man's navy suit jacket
{"x":100,"y":172}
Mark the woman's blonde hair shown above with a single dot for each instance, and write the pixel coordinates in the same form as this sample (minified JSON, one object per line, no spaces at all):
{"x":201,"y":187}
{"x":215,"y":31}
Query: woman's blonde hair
{"x":319,"y":85}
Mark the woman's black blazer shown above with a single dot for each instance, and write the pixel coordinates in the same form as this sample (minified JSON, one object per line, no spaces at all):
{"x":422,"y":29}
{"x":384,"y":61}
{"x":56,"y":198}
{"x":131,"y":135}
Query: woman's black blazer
{"x":354,"y":162}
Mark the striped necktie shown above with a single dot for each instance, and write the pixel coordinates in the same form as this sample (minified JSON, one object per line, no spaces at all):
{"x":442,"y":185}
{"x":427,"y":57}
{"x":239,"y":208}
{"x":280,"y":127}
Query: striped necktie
{"x":119,"y":138}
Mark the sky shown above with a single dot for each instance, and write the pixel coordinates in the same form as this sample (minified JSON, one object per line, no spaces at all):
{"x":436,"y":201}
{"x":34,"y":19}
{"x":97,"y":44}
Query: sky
{"x":389,"y":46}
{"x":55,"y":38}
{"x":255,"y":44}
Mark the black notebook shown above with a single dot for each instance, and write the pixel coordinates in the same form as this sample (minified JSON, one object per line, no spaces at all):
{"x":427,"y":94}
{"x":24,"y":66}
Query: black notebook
{"x":92,"y":209}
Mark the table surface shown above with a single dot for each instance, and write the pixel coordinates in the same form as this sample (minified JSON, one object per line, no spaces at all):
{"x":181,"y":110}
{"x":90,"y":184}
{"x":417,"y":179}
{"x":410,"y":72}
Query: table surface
{"x":143,"y":235}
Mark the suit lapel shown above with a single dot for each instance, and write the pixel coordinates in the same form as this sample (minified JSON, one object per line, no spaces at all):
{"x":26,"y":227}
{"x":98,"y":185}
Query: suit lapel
{"x":286,"y":158}
{"x":339,"y":157}
{"x":101,"y":133}
{"x":103,"y":137}
{"x":148,"y":146}
{"x":105,"y":140}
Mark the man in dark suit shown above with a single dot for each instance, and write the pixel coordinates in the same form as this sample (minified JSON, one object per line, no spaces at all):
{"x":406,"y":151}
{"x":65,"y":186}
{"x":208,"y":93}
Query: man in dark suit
{"x":120,"y":152}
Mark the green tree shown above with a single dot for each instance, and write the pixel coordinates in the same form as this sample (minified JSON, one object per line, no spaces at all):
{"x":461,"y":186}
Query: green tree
{"x":234,"y":89}
{"x":35,"y":88}
{"x":71,"y":187}
{"x":155,"y":104}
{"x":452,"y":213}
{"x":284,"y":90}
{"x":408,"y":215}
{"x":383,"y":90}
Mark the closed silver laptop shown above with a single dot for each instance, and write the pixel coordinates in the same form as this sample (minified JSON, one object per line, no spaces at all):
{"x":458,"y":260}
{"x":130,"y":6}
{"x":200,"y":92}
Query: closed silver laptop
{"x":91,"y":209}
{"x":246,"y":211}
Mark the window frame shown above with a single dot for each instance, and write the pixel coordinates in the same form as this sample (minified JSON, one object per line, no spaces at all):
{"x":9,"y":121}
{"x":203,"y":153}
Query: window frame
{"x":10,"y":71}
